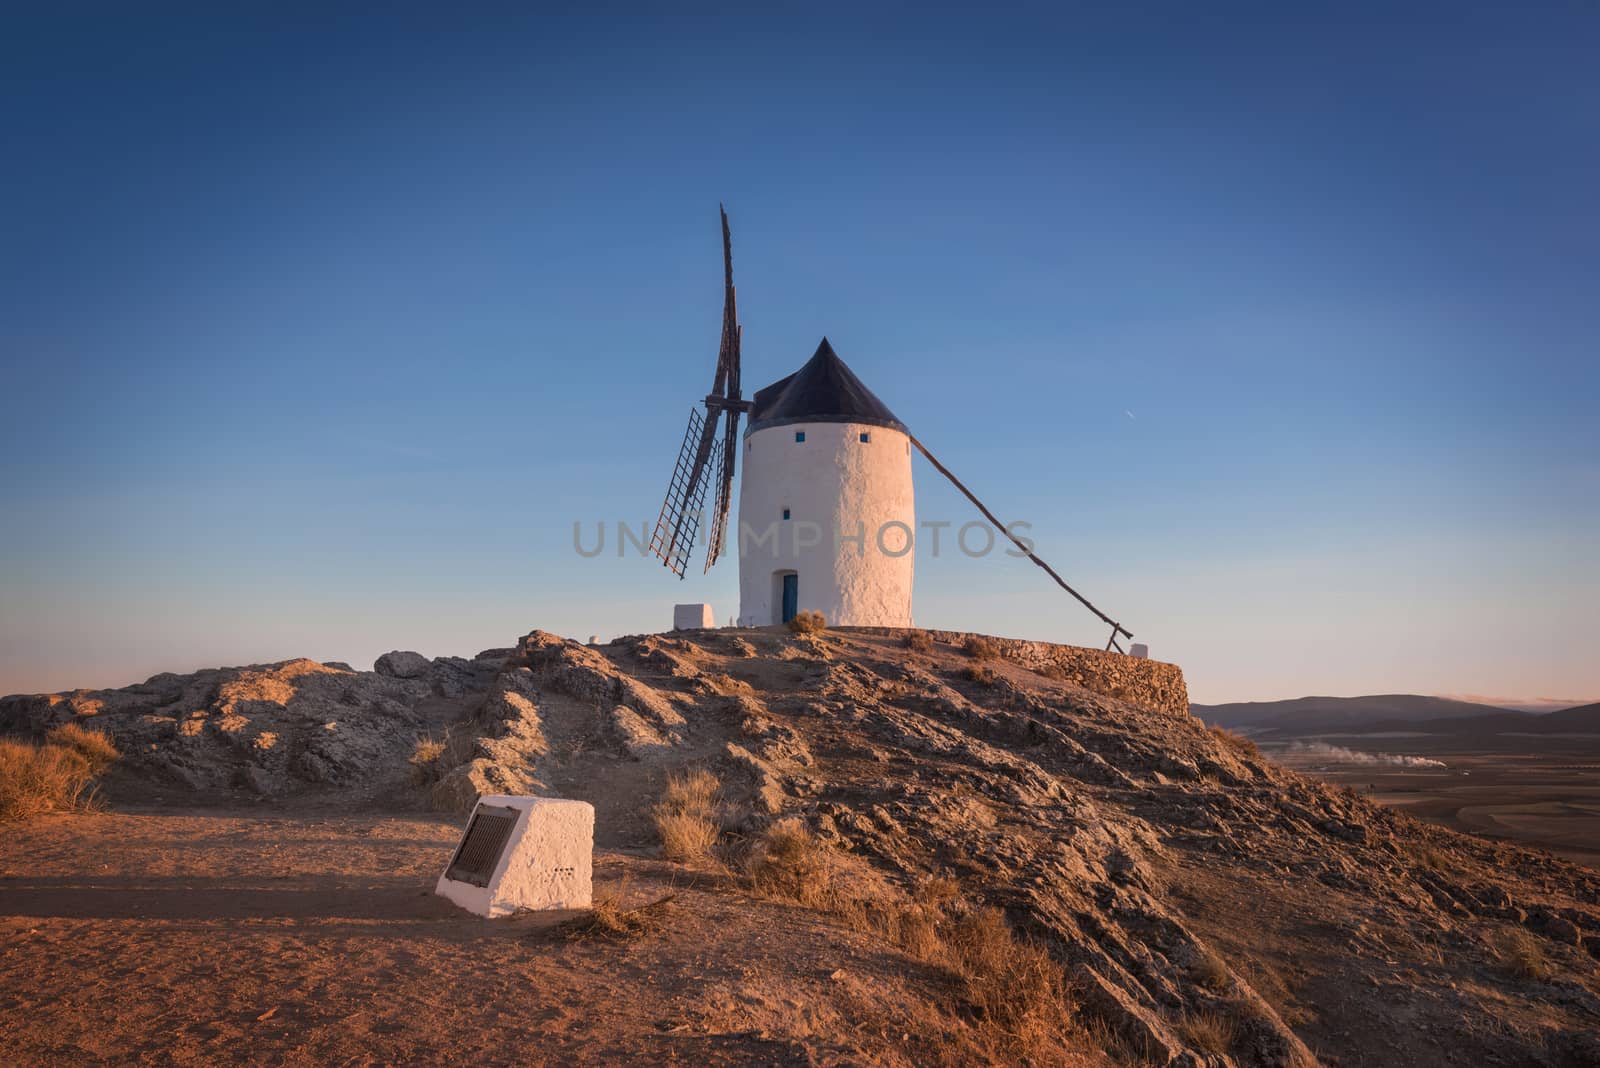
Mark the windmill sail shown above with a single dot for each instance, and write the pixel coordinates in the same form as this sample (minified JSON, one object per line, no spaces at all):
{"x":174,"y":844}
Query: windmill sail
{"x":700,"y":463}
{"x":719,"y":518}
{"x":681,"y":511}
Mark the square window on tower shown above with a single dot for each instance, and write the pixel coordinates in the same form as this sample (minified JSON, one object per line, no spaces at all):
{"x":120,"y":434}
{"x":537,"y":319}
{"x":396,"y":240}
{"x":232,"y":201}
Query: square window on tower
{"x":865,"y":436}
{"x":786,"y":513}
{"x":799,"y":435}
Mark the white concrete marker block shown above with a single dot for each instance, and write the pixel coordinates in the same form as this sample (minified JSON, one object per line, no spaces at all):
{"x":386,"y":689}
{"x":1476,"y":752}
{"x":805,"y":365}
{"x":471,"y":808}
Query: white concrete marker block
{"x":1139,"y":650}
{"x":522,"y":853}
{"x":693,"y":617}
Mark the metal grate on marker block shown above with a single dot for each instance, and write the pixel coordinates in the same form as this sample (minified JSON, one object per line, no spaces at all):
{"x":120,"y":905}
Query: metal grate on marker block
{"x":482,"y":845}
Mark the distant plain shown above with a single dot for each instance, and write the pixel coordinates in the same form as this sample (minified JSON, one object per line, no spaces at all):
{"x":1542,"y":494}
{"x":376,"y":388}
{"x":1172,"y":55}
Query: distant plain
{"x":1539,"y":790}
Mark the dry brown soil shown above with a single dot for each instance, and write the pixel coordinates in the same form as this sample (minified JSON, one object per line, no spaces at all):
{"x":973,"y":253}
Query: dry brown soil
{"x":219,"y":937}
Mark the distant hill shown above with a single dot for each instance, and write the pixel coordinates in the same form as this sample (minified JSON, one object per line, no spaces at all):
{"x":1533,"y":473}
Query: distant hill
{"x":1584,"y":719}
{"x":1584,"y":716}
{"x":1327,"y":713}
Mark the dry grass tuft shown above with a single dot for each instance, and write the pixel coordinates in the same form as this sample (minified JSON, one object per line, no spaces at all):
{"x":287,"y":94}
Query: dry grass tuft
{"x":1430,"y":857}
{"x":425,"y":760}
{"x":685,"y":838}
{"x":792,"y":863}
{"x":93,"y":746}
{"x":1211,"y":1032}
{"x":1278,"y":992}
{"x":936,"y":891}
{"x":1016,"y":992}
{"x":1237,"y":742}
{"x":434,"y":758}
{"x":918,"y":641}
{"x":982,"y":674}
{"x":35,"y":779}
{"x":1122,"y":1050}
{"x":695,"y":790}
{"x":981,"y":648}
{"x":1209,"y":970}
{"x":1013,"y":983}
{"x":686,"y":816}
{"x":808,"y":622}
{"x":609,"y":920}
{"x":1519,"y":954}
{"x":917,"y":932}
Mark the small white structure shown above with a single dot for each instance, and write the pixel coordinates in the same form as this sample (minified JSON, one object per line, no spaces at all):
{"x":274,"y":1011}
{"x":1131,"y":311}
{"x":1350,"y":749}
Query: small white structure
{"x":693,"y":617}
{"x":522,"y":853}
{"x":826,"y":510}
{"x":1139,"y":651}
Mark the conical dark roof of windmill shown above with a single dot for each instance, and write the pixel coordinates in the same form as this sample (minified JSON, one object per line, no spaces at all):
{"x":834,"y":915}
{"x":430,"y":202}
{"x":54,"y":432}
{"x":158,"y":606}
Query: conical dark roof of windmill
{"x":823,"y":391}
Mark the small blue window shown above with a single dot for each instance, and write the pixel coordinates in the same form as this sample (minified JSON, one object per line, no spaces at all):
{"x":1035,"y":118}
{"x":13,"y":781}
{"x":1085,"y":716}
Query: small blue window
{"x":865,"y":436}
{"x":786,"y":513}
{"x":799,"y":435}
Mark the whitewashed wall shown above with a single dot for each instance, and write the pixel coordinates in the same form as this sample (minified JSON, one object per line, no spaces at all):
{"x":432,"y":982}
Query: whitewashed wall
{"x":834,"y":481}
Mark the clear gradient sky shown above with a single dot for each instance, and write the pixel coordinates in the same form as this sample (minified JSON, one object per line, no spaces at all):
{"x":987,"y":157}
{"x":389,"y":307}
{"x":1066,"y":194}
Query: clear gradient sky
{"x":319,"y":331}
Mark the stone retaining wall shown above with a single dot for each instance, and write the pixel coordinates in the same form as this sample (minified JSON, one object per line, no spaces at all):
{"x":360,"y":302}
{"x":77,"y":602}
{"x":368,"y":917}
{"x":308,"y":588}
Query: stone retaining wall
{"x":1150,"y":683}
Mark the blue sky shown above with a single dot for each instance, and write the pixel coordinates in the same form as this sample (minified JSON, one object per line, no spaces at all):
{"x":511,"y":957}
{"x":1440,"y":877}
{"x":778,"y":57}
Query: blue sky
{"x":320,"y":331}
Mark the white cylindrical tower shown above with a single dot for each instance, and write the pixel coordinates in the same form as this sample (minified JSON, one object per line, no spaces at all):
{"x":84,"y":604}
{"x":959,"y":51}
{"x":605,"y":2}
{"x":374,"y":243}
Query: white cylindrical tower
{"x":826,"y":510}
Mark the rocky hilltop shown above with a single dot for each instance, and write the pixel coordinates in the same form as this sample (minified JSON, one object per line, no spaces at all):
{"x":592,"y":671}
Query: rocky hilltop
{"x":1177,"y":874}
{"x":268,"y":729}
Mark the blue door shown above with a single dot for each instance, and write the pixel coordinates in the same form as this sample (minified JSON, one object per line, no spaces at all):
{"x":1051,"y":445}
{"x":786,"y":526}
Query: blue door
{"x":791,"y":596}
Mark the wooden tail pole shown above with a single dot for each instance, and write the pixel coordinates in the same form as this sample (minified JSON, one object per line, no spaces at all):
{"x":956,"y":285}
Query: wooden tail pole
{"x":1116,"y":628}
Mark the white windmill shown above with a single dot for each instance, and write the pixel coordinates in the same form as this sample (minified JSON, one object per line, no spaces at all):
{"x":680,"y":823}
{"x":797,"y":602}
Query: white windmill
{"x":826,"y":508}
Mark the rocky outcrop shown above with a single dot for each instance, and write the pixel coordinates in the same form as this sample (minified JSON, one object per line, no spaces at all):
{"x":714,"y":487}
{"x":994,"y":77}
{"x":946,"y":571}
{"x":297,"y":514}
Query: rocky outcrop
{"x":641,"y":717}
{"x":402,"y":665}
{"x":266,"y":729}
{"x":510,"y":743}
